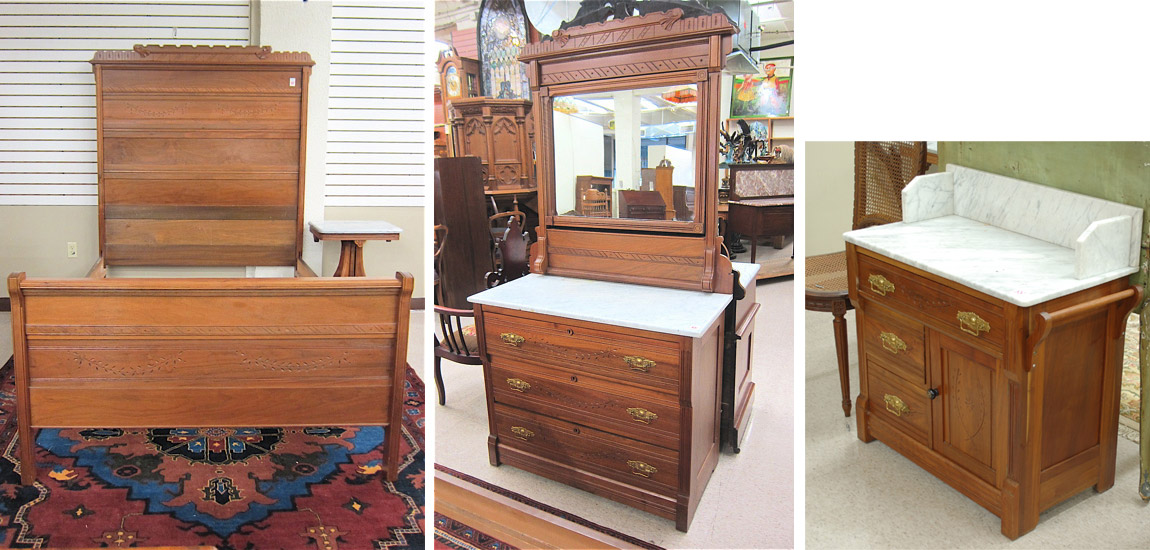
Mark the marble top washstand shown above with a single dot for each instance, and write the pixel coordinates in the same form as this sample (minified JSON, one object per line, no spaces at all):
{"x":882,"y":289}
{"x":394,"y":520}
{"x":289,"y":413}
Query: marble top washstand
{"x":1018,"y":241}
{"x":657,"y":309}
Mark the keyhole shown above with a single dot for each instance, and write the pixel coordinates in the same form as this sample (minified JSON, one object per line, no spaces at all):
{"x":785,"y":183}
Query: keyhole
{"x":576,"y":430}
{"x":574,"y":378}
{"x":570,"y":332}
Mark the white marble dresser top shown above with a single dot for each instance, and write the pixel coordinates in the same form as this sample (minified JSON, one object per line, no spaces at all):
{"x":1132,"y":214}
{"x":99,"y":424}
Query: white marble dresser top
{"x":1019,"y":269}
{"x":657,"y":309}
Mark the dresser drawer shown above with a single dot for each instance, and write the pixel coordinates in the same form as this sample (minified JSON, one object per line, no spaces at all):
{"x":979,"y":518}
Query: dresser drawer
{"x":900,"y":289}
{"x":632,"y":462}
{"x":899,"y":340}
{"x":894,"y":401}
{"x":620,"y":355}
{"x":627,"y":411}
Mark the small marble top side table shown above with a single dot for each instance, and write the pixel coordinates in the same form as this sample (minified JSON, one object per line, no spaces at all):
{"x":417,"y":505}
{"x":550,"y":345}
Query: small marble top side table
{"x":353,"y":234}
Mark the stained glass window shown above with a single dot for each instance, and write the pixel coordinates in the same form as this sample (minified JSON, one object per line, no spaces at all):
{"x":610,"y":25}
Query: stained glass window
{"x":502,"y":34}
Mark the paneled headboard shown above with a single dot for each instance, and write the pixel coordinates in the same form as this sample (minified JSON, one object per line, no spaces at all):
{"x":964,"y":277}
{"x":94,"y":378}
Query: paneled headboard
{"x":201,"y":155}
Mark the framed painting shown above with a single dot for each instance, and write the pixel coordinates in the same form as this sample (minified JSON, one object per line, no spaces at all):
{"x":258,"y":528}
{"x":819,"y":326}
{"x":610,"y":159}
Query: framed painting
{"x":767,"y":94}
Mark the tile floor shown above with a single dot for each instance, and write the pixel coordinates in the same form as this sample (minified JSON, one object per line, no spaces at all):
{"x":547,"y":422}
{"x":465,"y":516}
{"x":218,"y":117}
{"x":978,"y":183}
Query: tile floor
{"x":865,"y":495}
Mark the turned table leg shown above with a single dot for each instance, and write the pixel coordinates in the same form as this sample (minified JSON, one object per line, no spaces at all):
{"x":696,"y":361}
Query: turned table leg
{"x":840,"y":325}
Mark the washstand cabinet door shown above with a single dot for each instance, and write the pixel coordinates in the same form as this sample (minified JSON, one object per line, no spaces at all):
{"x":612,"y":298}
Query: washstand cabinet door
{"x":967,"y":384}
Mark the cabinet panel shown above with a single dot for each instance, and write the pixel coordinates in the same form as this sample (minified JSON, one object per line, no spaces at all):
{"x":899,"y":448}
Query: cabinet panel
{"x":964,"y":427}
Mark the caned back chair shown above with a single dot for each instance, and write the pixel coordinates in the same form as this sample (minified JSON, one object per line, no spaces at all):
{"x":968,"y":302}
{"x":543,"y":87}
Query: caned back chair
{"x":882,"y":169}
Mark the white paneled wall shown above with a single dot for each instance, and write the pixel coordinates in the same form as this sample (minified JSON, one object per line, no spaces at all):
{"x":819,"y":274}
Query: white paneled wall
{"x":47,"y":92}
{"x":378,"y":122}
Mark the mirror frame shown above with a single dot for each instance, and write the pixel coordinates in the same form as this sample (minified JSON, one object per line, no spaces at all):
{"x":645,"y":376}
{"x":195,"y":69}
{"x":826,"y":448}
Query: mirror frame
{"x":637,"y":52}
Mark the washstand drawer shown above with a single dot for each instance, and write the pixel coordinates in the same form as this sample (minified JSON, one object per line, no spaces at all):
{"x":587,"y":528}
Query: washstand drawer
{"x":632,"y":462}
{"x":897,"y":288}
{"x":628,"y":411}
{"x":620,"y":355}
{"x":899,"y":340}
{"x":903,"y":405}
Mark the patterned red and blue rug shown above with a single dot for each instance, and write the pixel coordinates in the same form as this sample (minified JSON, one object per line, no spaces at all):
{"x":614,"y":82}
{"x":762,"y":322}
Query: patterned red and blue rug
{"x":232,"y":488}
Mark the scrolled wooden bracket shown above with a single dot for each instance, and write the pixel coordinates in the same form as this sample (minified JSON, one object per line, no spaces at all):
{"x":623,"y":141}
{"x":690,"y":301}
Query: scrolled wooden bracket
{"x":1045,"y":322}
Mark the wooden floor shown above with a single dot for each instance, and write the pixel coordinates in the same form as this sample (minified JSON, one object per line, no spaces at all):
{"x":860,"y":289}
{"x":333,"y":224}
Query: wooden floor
{"x":510,"y":521}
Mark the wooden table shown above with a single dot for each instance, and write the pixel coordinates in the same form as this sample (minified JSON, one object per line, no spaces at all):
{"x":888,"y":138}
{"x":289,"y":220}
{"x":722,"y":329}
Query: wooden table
{"x":353,"y":234}
{"x":759,"y":217}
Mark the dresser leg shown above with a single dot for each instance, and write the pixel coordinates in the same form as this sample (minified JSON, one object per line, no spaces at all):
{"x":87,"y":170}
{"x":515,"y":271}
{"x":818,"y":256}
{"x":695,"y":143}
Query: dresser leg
{"x":840,"y":325}
{"x":861,"y":420}
{"x":493,"y":449}
{"x":1017,"y":517}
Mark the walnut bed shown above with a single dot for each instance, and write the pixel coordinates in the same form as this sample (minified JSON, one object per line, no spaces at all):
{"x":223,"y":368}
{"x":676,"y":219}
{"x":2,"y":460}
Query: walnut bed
{"x":200,"y":155}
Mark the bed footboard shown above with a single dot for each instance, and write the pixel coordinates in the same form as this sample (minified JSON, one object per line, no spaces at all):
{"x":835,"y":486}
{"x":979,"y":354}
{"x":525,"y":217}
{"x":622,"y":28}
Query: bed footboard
{"x":137,"y":353}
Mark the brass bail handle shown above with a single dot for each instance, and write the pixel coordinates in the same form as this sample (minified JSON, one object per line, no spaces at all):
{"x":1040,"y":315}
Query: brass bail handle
{"x":639,"y":364}
{"x":895,"y":405}
{"x":971,"y":323}
{"x":880,"y":285}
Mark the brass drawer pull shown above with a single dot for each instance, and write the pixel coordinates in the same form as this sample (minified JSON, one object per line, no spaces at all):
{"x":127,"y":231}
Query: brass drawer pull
{"x":518,"y":385}
{"x":894,"y":405}
{"x":638,"y":363}
{"x":511,"y":339}
{"x":879,"y":284}
{"x":892,"y":343}
{"x":971,"y":323}
{"x":522,"y":433}
{"x":642,"y":415}
{"x":641,"y":468}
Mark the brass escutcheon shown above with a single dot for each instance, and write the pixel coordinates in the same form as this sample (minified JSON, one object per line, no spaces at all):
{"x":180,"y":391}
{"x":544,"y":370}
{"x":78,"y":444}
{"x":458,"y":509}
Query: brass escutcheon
{"x":879,"y":284}
{"x":511,"y":339}
{"x":642,"y":415}
{"x":518,"y":384}
{"x":638,"y":363}
{"x":522,"y":433}
{"x":894,"y":405}
{"x":892,"y":343}
{"x":971,"y":323}
{"x":641,"y":468}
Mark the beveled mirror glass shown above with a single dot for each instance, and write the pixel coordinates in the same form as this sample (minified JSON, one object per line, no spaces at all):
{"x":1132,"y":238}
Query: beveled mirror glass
{"x":626,"y":154}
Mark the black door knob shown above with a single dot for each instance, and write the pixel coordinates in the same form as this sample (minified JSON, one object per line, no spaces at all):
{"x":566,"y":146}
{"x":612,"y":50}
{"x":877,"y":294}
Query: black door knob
{"x":932,"y":393}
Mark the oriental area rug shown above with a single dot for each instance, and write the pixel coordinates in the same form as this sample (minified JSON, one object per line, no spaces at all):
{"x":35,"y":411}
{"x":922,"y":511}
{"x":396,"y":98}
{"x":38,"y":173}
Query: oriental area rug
{"x":232,"y":488}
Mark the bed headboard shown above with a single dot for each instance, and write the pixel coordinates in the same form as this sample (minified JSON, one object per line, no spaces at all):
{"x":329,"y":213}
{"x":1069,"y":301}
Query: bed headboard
{"x":201,"y":155}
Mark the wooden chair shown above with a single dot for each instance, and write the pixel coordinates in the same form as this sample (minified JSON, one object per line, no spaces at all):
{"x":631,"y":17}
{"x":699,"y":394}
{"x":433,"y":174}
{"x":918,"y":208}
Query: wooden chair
{"x":882,"y":169}
{"x":455,"y":338}
{"x":596,"y":204}
{"x":511,"y":248}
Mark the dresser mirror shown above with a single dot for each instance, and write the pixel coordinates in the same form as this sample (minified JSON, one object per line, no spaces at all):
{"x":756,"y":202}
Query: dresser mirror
{"x":626,"y":153}
{"x":627,"y":116}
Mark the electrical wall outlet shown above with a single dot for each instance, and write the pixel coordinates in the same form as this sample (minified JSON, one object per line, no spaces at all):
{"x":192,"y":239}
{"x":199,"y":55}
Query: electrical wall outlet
{"x":73,"y":250}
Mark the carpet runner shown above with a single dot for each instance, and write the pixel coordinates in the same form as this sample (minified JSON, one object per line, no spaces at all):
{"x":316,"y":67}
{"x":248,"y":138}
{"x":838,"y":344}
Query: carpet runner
{"x":233,"y":488}
{"x":455,"y":535}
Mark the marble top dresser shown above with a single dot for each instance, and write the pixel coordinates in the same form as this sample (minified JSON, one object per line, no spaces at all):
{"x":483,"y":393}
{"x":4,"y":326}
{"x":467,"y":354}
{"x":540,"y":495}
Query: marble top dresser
{"x":990,"y":327}
{"x":613,"y":388}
